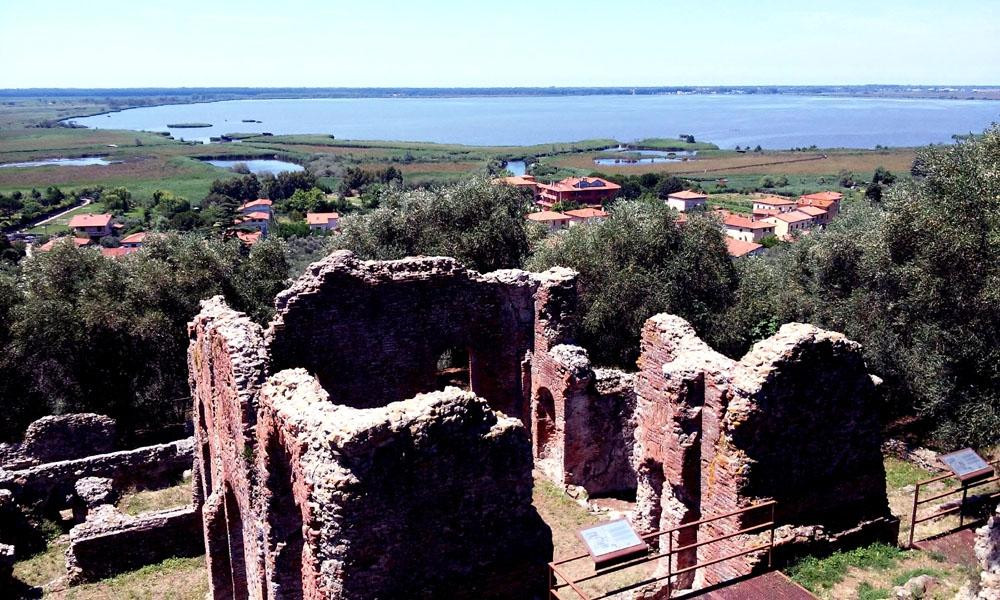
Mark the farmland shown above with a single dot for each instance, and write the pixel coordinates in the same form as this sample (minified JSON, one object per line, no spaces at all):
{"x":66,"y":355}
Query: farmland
{"x":145,"y":162}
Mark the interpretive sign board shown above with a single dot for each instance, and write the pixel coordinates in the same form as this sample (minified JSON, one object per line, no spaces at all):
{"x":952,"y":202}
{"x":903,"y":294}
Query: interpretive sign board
{"x":967,"y":465}
{"x":612,"y":542}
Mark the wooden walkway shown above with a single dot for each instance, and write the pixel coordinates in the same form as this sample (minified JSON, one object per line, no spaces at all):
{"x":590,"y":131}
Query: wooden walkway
{"x":957,"y":547}
{"x":772,"y":586}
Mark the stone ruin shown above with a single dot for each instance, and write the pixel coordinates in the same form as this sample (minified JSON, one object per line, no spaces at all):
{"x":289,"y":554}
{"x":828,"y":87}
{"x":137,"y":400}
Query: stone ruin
{"x":70,"y":465}
{"x":332,"y":465}
{"x":794,"y":421}
{"x":987,"y":550}
{"x":337,"y":463}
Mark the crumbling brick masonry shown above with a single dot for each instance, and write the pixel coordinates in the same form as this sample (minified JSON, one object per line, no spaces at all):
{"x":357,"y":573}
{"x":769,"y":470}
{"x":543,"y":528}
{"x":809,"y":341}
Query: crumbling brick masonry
{"x":332,"y":466}
{"x":794,"y":421}
{"x":357,"y":483}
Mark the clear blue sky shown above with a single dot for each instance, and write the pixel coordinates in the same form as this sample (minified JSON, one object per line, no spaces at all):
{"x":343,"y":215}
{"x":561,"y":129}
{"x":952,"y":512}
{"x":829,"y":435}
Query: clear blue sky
{"x":142,"y":43}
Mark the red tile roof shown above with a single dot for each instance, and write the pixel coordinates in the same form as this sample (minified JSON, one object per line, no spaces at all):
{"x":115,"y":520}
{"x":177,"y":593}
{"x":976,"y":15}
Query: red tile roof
{"x":518,"y":180}
{"x":78,"y":242}
{"x":258,"y":216}
{"x":118,"y":252}
{"x":90,"y":220}
{"x":135,"y":238}
{"x":735,"y":220}
{"x":546,"y":215}
{"x":587,"y":213}
{"x":740,"y":248}
{"x":321,"y":218}
{"x":794,"y":216}
{"x":812,"y":211}
{"x":687,"y":195}
{"x":577,"y":184}
{"x":827,"y":196}
{"x":248,"y":237}
{"x":774,"y":201}
{"x":261,"y":202}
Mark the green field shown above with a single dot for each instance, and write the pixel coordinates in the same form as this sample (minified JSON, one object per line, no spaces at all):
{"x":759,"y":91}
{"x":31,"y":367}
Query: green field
{"x":145,"y":162}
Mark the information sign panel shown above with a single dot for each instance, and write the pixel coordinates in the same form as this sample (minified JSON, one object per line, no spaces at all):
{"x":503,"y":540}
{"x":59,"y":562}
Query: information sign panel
{"x":612,"y":541}
{"x":967,"y":465}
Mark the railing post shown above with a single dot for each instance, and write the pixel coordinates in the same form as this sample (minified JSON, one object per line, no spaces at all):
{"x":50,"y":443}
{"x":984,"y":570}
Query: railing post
{"x":670,"y":564}
{"x":913,"y":515}
{"x":961,"y":506}
{"x":770,"y":548}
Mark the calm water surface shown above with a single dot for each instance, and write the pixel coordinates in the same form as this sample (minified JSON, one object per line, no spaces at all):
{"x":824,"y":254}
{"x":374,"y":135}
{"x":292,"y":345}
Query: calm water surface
{"x":58,"y":162}
{"x":772,"y":121}
{"x":258,"y":166}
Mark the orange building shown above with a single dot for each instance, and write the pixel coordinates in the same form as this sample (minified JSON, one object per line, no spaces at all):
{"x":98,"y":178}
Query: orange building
{"x":585,"y":191}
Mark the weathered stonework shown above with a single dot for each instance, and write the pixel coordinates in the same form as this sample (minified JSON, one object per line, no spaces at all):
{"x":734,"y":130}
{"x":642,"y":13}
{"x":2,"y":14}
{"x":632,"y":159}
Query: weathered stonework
{"x":109,"y":542}
{"x":7,"y":558}
{"x":424,"y":498}
{"x":47,"y":487}
{"x":60,"y":437}
{"x":322,"y":438}
{"x":988,"y":554}
{"x":793,"y":421}
{"x":372,"y":334}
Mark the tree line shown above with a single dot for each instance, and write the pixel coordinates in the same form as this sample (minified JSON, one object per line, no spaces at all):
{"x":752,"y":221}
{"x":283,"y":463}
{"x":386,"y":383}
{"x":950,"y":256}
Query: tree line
{"x":911,"y":271}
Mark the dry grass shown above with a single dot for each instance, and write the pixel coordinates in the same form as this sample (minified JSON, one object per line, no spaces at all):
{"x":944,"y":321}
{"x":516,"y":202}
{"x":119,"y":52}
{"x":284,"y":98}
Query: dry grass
{"x":951,"y":577}
{"x":565,"y":517}
{"x":778,"y":163}
{"x":135,"y":503}
{"x":439,"y":167}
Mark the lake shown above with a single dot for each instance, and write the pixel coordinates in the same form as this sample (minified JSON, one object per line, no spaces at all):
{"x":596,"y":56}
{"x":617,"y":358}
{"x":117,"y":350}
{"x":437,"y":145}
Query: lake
{"x":772,"y":121}
{"x":258,"y":165}
{"x":58,"y":162}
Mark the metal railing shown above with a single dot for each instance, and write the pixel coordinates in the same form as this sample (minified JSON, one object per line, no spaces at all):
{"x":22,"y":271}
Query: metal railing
{"x":962,"y":487}
{"x":557,"y":569}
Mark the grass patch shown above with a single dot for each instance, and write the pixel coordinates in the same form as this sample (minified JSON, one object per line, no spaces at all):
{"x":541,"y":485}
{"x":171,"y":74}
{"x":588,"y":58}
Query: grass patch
{"x":43,"y":567}
{"x":174,"y":579}
{"x":818,"y":574}
{"x":867,"y":591}
{"x":899,"y":473}
{"x":911,"y":573}
{"x":148,"y":500}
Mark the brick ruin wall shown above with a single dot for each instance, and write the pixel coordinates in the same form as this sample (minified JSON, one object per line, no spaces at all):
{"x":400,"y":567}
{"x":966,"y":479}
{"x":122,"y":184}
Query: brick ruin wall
{"x":794,"y":421}
{"x":693,"y":433}
{"x":308,"y":497}
{"x":46,"y":487}
{"x":438,"y":507}
{"x":49,"y":473}
{"x":60,"y":437}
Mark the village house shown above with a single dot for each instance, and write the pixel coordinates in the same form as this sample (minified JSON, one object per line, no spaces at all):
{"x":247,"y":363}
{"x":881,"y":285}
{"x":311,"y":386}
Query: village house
{"x":773,"y":203}
{"x":789,"y":223}
{"x":686,"y":200}
{"x":248,"y":237}
{"x":553,"y":221}
{"x":584,"y":191}
{"x":741,"y":228}
{"x":119,"y":251}
{"x":134,"y":240}
{"x":820,"y":216}
{"x":328,"y":221}
{"x":92,"y":226}
{"x":586,"y":215}
{"x":259,"y":220}
{"x":77,"y":241}
{"x":524,"y":182}
{"x":738,"y":248}
{"x":257,"y":206}
{"x":828,"y":201}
